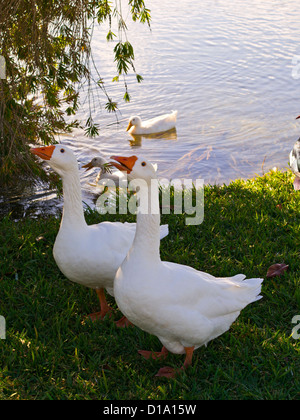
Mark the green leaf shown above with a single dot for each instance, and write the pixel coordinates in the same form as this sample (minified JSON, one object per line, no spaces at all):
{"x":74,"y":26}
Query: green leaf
{"x":139,"y":78}
{"x":92,"y":129}
{"x":111,"y":106}
{"x":110,"y":36}
{"x":127,"y":97}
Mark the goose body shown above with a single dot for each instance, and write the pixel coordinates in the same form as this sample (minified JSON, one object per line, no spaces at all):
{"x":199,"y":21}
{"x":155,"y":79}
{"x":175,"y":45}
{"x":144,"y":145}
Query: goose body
{"x":295,"y":164}
{"x":185,"y":308}
{"x":86,"y":254}
{"x":155,"y":125}
{"x":91,"y":255}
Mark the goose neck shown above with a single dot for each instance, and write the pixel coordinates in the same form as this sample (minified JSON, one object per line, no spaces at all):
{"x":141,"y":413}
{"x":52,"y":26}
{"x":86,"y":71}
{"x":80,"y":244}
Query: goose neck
{"x":73,"y":214}
{"x":147,"y":237}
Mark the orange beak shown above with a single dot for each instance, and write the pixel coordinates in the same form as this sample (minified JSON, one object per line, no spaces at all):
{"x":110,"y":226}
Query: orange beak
{"x":129,"y":126}
{"x":125,"y":164}
{"x":88,"y":166}
{"x":44,"y":153}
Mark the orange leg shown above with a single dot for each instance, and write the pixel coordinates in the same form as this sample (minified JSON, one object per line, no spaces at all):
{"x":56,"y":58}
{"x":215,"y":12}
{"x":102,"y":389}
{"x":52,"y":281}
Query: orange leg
{"x":105,"y":308}
{"x":154,"y":354}
{"x":189,"y":351}
{"x":169,"y":372}
{"x":123,"y":323}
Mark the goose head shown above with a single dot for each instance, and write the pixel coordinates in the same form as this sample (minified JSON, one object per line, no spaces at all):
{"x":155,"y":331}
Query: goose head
{"x":134,"y":122}
{"x":59,"y":157}
{"x":136,"y":168}
{"x":97,"y":162}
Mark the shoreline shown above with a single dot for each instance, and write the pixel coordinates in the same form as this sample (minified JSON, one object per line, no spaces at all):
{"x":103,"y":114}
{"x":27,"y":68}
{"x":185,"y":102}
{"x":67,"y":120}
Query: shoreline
{"x":40,"y":201}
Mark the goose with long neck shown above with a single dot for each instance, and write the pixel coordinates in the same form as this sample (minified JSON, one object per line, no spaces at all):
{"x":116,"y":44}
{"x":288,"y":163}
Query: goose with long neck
{"x":88,"y":255}
{"x":183,"y":307}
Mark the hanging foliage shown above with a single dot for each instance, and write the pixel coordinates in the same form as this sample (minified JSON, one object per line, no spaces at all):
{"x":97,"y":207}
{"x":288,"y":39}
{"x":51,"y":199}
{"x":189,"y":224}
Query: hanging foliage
{"x":46,"y":48}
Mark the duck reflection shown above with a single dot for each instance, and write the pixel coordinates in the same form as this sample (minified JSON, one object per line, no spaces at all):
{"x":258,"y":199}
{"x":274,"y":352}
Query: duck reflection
{"x":137,"y":139}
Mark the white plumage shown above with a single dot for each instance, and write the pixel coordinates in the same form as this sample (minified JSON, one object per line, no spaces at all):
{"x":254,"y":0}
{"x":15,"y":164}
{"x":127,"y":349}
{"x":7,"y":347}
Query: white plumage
{"x":104,"y":174}
{"x":295,"y":164}
{"x":88,"y":255}
{"x":183,"y":307}
{"x":155,"y":125}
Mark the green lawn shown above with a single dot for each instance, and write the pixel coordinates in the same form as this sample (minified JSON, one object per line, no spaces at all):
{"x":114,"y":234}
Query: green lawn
{"x":52,"y":352}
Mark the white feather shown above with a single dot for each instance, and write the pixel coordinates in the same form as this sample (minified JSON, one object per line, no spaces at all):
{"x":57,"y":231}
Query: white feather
{"x":155,"y":125}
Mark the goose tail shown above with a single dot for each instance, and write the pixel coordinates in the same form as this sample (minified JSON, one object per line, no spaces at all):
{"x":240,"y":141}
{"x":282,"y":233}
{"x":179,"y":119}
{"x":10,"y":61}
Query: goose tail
{"x":175,"y":113}
{"x":254,"y":289}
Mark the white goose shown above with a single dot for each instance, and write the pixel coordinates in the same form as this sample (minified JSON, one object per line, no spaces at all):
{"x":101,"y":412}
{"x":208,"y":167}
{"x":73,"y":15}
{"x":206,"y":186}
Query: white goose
{"x":295,"y":163}
{"x":183,"y":307}
{"x":155,"y":125}
{"x":104,"y":174}
{"x":88,"y":255}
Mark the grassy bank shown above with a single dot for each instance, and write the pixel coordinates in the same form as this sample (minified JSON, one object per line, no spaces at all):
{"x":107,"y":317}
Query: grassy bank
{"x":51,"y":352}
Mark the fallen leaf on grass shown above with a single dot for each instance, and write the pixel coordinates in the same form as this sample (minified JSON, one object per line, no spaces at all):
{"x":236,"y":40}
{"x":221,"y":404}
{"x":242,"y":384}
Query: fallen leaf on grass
{"x":277,"y":270}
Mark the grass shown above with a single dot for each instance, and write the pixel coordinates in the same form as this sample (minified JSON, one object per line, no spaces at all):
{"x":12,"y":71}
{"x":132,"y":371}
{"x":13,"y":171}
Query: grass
{"x":51,"y":352}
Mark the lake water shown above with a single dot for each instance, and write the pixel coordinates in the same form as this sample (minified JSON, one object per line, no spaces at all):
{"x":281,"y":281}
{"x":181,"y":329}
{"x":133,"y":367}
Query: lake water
{"x":229,"y":68}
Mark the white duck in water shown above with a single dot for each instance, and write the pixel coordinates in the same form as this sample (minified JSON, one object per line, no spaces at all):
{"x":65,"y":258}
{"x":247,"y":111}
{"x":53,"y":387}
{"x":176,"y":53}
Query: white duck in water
{"x":88,"y":255}
{"x":155,"y":125}
{"x":104,"y":174}
{"x":183,"y":307}
{"x":295,"y":163}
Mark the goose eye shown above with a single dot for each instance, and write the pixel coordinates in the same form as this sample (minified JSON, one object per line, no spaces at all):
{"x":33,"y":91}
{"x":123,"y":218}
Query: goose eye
{"x":143,"y":164}
{"x":62,"y":150}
